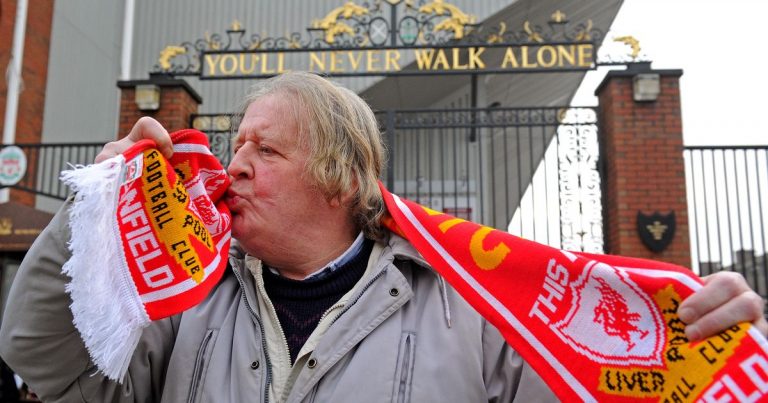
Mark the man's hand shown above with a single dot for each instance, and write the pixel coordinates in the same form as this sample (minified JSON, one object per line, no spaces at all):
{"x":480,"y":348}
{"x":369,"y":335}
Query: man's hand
{"x":145,"y":128}
{"x":725,"y":300}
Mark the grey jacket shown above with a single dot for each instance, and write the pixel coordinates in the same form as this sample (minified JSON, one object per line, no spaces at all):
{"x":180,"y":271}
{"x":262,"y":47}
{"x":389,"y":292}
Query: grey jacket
{"x":392,"y":343}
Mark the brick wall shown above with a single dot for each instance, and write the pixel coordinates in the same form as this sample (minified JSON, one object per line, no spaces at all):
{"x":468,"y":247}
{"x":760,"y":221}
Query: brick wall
{"x":178,"y":101}
{"x":29,"y":121}
{"x":642,"y":150}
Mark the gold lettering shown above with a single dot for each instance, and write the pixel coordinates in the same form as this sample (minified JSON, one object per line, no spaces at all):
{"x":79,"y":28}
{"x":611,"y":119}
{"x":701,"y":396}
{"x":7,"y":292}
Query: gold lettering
{"x":525,"y":58}
{"x":264,"y":63}
{"x":170,"y":211}
{"x":212,"y":62}
{"x":585,"y":55}
{"x":486,"y":259}
{"x":441,"y":59}
{"x":457,"y":60}
{"x":280,"y":62}
{"x":252,"y":67}
{"x":448,"y":224}
{"x":393,"y":60}
{"x":335,"y":62}
{"x":424,"y":58}
{"x":355,"y":61}
{"x":542,"y":59}
{"x":566,"y":53}
{"x":314,"y":60}
{"x":372,"y":57}
{"x":228,"y":70}
{"x":509,"y":58}
{"x":475,"y":62}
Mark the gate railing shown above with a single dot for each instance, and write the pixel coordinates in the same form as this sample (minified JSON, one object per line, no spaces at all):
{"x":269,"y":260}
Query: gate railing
{"x":46,"y":161}
{"x":220,"y":127}
{"x":727,"y":191}
{"x":530,"y":171}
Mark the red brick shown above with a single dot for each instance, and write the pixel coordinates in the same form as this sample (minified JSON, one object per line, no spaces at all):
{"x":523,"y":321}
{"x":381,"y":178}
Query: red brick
{"x":176,"y":107}
{"x":29,"y":122}
{"x":645,"y":167}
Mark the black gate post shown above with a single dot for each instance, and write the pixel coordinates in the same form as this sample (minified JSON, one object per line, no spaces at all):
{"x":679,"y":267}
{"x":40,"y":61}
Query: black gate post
{"x":389,"y":137}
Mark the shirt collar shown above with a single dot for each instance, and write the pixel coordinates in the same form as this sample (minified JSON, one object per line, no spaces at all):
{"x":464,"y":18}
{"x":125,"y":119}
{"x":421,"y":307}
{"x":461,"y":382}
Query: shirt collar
{"x":331,"y":267}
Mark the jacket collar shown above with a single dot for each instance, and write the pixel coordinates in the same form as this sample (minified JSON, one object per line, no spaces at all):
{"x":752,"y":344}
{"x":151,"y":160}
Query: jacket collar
{"x":400,"y":249}
{"x":403,"y":250}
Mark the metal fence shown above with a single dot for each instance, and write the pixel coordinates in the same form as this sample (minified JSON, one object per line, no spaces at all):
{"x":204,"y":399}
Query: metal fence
{"x":727,"y":191}
{"x":220,"y":127}
{"x":46,"y":161}
{"x":529,"y":171}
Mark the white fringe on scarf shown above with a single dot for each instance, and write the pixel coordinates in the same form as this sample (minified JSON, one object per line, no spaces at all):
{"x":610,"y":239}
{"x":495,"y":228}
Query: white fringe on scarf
{"x":106,"y":306}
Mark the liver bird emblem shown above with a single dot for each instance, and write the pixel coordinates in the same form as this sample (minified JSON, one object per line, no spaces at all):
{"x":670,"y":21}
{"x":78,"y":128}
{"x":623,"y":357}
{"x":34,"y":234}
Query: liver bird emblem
{"x":613,"y":313}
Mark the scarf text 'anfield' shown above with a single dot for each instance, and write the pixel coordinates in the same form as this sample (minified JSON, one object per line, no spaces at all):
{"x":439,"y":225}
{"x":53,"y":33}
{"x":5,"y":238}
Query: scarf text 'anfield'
{"x":150,"y":239}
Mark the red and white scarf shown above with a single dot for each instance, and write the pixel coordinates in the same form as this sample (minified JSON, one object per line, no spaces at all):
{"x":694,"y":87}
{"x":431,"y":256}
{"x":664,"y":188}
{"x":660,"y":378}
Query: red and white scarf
{"x":150,"y":239}
{"x":594,"y":327}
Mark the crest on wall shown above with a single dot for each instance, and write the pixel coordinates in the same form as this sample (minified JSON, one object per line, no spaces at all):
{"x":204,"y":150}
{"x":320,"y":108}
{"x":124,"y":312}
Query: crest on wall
{"x":656,"y":230}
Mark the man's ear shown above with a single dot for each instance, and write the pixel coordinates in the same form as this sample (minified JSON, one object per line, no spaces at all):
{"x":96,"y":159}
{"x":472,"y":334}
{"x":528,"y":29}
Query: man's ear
{"x":346,"y":198}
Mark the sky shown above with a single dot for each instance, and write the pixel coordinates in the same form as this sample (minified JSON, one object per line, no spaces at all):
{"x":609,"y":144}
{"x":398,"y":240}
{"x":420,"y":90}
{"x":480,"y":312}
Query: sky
{"x":721,"y":48}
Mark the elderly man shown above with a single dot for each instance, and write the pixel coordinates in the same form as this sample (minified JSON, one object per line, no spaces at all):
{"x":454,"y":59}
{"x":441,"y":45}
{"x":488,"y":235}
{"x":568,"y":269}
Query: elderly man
{"x":319,"y":303}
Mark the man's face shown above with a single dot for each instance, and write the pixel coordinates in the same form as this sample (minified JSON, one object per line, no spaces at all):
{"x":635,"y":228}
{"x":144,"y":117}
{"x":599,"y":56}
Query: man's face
{"x":271,"y":200}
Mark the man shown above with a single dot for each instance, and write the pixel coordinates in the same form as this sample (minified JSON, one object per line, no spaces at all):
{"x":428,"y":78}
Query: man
{"x":320,"y":304}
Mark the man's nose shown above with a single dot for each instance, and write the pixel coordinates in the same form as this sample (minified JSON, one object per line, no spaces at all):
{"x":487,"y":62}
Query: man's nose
{"x":239,"y":167}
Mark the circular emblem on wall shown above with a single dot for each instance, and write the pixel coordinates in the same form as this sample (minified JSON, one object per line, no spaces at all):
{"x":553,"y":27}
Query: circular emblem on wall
{"x":13,"y":165}
{"x":378,"y":31}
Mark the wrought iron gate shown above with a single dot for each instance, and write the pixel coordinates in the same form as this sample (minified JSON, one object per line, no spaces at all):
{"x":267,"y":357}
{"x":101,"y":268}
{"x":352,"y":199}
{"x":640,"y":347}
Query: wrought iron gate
{"x":530,"y":171}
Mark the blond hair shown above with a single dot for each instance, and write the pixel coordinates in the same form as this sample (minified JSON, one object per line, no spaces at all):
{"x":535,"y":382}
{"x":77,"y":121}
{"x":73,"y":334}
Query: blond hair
{"x":341,"y":133}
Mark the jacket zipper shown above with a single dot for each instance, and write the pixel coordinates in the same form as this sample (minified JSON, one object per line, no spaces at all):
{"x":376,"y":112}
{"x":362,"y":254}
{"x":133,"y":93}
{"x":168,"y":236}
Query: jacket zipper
{"x":261,"y":329}
{"x":337,"y":306}
{"x":271,"y":306}
{"x":329,"y":310}
{"x":359,"y":295}
{"x":199,"y":364}
{"x":261,"y":325}
{"x":405,"y":370}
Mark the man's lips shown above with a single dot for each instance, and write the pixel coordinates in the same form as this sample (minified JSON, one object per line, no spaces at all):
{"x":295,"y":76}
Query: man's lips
{"x":233,"y":198}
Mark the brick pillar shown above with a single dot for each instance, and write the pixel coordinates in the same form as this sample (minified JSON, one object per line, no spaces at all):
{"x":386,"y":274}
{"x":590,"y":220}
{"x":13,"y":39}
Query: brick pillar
{"x":34,"y":73}
{"x":644,"y":171}
{"x":178,"y":101}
